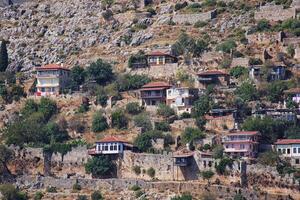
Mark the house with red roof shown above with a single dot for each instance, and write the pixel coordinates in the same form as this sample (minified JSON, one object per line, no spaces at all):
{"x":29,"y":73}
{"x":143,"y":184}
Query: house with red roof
{"x":154,"y":93}
{"x":51,"y":79}
{"x":110,"y":146}
{"x":289,"y":149}
{"x":160,"y":58}
{"x":213,"y":77}
{"x":241,"y":144}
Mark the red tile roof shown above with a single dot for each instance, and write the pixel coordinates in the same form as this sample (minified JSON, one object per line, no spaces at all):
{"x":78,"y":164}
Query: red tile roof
{"x":113,"y":139}
{"x":292,"y":91}
{"x":212,"y":72}
{"x":157,"y":84}
{"x":52,"y":67}
{"x":244,"y":133}
{"x":288,"y":141}
{"x":158,"y":53}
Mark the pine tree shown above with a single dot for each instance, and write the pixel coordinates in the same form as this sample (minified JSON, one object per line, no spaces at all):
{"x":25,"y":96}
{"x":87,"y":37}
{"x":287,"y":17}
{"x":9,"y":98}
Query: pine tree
{"x":3,"y":56}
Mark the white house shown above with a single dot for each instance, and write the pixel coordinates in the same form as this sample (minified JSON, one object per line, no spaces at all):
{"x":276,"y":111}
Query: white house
{"x":290,"y":149}
{"x":110,"y":145}
{"x":181,"y":99}
{"x":51,"y":79}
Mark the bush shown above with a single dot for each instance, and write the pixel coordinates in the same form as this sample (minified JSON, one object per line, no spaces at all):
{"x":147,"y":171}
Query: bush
{"x":151,"y":172}
{"x":97,"y":196}
{"x":51,"y":189}
{"x":263,"y":25}
{"x":119,"y":119}
{"x":143,"y":120}
{"x":218,"y":152}
{"x":82,"y":197}
{"x":201,"y":106}
{"x":133,"y":108}
{"x":208,"y":196}
{"x":99,"y":167}
{"x":76,"y":187}
{"x":107,"y":15}
{"x":38,"y":195}
{"x":238,"y":71}
{"x":162,"y":126}
{"x":238,"y":197}
{"x":165,"y":111}
{"x":76,"y":125}
{"x":190,"y":134}
{"x":183,"y":197}
{"x":275,"y":91}
{"x":247,"y":92}
{"x":137,"y":170}
{"x":9,"y":192}
{"x":135,"y":188}
{"x":179,"y":6}
{"x":99,"y":123}
{"x":138,"y":193}
{"x":151,"y":11}
{"x":131,"y":82}
{"x":102,"y":99}
{"x":200,"y":24}
{"x":207,"y":175}
{"x":201,"y":122}
{"x":143,"y":141}
{"x":268,"y":158}
{"x":255,"y":61}
{"x":185,"y":115}
{"x":221,"y":166}
{"x":47,"y":107}
{"x":137,"y":60}
{"x":226,"y":46}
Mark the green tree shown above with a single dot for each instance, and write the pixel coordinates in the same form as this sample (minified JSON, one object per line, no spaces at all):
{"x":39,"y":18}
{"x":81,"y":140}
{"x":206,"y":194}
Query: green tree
{"x":201,"y":106}
{"x":100,"y":71}
{"x":100,"y":167}
{"x":3,"y":56}
{"x":38,"y":195}
{"x":247,"y":92}
{"x":143,"y":120}
{"x":226,"y":46}
{"x":162,"y":126}
{"x":221,"y":166}
{"x":102,"y":99}
{"x":97,"y":196}
{"x":144,"y":141}
{"x":263,"y":25}
{"x":77,"y":77}
{"x":5,"y":156}
{"x":151,"y":172}
{"x":99,"y":122}
{"x":183,"y":197}
{"x":131,"y":82}
{"x":47,"y":107}
{"x":190,"y":134}
{"x":218,"y":152}
{"x":9,"y":192}
{"x":55,"y":133}
{"x":239,"y":197}
{"x":238,"y":71}
{"x":30,"y":107}
{"x":207,"y":175}
{"x":275,"y":91}
{"x":292,"y":132}
{"x":119,"y":119}
{"x":268,"y":158}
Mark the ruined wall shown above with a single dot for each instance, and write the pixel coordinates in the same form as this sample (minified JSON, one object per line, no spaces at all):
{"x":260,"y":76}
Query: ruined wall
{"x":195,"y":188}
{"x":219,"y":123}
{"x":264,"y":38}
{"x":295,"y":41}
{"x":180,"y":125}
{"x":240,"y":62}
{"x":193,"y":18}
{"x":160,"y":71}
{"x":274,"y":13}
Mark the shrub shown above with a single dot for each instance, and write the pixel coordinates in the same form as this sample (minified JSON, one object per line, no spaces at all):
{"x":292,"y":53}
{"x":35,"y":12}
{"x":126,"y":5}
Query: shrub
{"x":183,"y":197}
{"x":76,"y":187}
{"x":247,"y":92}
{"x":185,"y":115}
{"x":165,"y":111}
{"x":151,"y":11}
{"x":255,"y":61}
{"x":38,"y":195}
{"x":207,"y":175}
{"x":47,"y":107}
{"x":135,"y":188}
{"x":221,"y":166}
{"x":208,"y":196}
{"x":200,"y":122}
{"x":51,"y":189}
{"x":151,"y":172}
{"x":97,"y":196}
{"x":200,"y":24}
{"x":275,"y":91}
{"x":137,"y":60}
{"x":137,"y":170}
{"x":226,"y":46}
{"x":101,"y":166}
{"x":238,"y":71}
{"x":119,"y":119}
{"x":30,"y":107}
{"x":179,"y":6}
{"x":201,"y":106}
{"x":107,"y":15}
{"x":99,"y":123}
{"x":76,"y":125}
{"x":263,"y":25}
{"x":239,"y":197}
{"x":162,"y":126}
{"x":268,"y":158}
{"x":131,"y":82}
{"x":218,"y":152}
{"x":143,"y":141}
{"x":102,"y":99}
{"x":9,"y":192}
{"x":190,"y":134}
{"x":82,"y":197}
{"x":138,"y":193}
{"x":133,"y":108}
{"x":143,"y":120}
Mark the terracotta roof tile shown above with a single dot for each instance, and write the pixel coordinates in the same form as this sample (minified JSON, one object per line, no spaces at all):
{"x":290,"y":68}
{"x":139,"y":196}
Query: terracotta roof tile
{"x":157,"y":84}
{"x":51,"y":67}
{"x":113,"y":139}
{"x":288,"y":141}
{"x":244,"y":133}
{"x":212,"y":72}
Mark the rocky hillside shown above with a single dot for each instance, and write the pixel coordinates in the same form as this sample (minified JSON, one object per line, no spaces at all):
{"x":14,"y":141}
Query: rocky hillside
{"x":78,"y":32}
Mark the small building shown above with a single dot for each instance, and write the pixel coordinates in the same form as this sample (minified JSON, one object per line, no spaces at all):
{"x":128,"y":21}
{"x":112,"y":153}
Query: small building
{"x":51,"y":79}
{"x":183,"y":158}
{"x":160,"y":58}
{"x":241,"y":144}
{"x":294,"y":93}
{"x":206,"y":161}
{"x":276,"y":72}
{"x":282,"y":114}
{"x":217,"y":78}
{"x":111,"y":146}
{"x":290,"y":149}
{"x":181,"y":99}
{"x":154,"y":93}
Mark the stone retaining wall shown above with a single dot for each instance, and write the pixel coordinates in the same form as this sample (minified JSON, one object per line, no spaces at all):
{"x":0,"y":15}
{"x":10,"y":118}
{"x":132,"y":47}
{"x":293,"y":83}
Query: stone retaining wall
{"x":159,"y":71}
{"x":275,"y":13}
{"x":193,"y":18}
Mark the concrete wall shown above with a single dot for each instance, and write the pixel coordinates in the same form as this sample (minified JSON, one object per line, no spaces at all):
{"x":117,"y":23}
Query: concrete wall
{"x":193,"y":18}
{"x":159,"y":71}
{"x":274,"y":13}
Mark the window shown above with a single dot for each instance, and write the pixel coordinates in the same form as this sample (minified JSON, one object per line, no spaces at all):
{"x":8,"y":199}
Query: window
{"x":297,"y":161}
{"x":242,"y":146}
{"x":294,"y":150}
{"x":209,"y":163}
{"x":283,"y":151}
{"x":115,"y":147}
{"x":298,"y":149}
{"x":279,"y":150}
{"x":204,"y":163}
{"x":226,"y":146}
{"x":106,"y":147}
{"x":288,"y":151}
{"x":43,"y":89}
{"x":111,"y":147}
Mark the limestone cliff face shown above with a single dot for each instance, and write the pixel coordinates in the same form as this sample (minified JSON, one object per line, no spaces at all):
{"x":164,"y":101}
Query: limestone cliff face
{"x":4,"y":3}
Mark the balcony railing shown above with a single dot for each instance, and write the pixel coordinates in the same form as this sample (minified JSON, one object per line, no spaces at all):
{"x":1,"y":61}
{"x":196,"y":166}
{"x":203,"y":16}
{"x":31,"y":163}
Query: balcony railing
{"x":47,"y":75}
{"x":204,"y":79}
{"x":152,"y":96}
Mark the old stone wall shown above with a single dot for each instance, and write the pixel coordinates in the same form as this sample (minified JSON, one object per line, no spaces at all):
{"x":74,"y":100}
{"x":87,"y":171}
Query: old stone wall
{"x":295,"y":41}
{"x":264,"y":38}
{"x":240,"y":62}
{"x":220,"y":123}
{"x":159,"y":71}
{"x":195,"y":188}
{"x":193,"y":18}
{"x":180,"y":125}
{"x":275,"y":13}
